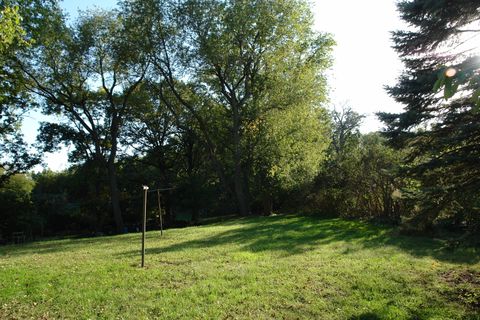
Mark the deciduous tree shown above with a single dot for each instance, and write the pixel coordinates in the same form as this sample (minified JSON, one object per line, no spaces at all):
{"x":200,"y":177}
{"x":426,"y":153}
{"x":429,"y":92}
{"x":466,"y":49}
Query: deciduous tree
{"x":240,"y":61}
{"x":88,"y":74}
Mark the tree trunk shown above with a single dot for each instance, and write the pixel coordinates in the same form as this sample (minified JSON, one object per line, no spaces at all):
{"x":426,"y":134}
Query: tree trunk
{"x":267,"y":204}
{"x":246,"y":185}
{"x":203,"y":129}
{"x":243,"y":204}
{"x":115,"y":197}
{"x":195,"y":215}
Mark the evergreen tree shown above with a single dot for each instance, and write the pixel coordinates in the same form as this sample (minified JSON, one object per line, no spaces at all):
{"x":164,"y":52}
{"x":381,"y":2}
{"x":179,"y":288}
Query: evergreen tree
{"x":441,"y":130}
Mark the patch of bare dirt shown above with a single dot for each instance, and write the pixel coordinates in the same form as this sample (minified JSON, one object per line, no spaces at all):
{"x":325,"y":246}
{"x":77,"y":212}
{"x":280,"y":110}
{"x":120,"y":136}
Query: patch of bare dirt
{"x":463,"y":286}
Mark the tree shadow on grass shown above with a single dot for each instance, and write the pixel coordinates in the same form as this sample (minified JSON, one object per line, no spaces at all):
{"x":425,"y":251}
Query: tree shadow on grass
{"x":365,"y":316}
{"x":291,"y":235}
{"x":63,"y":245}
{"x":286,"y":235}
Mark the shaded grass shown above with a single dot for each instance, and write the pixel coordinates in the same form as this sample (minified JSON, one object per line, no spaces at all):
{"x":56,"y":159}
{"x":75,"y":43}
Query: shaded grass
{"x":282,"y":267}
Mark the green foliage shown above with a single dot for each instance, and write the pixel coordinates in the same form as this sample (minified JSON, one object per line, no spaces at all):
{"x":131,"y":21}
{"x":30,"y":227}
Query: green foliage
{"x":68,"y":203}
{"x":278,"y":267}
{"x":16,"y":206}
{"x":89,"y":74}
{"x":360,"y":178}
{"x":14,"y":156}
{"x":225,"y":101}
{"x":439,"y":132}
{"x":23,"y":23}
{"x":365,"y":183}
{"x":290,"y":149}
{"x":240,"y":61}
{"x":11,"y":32}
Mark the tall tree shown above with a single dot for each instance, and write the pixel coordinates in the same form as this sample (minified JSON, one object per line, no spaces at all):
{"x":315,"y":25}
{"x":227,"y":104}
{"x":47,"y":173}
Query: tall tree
{"x":240,"y":60}
{"x":169,"y":142}
{"x":286,"y":148}
{"x":89,"y":74}
{"x":346,"y":128}
{"x":440,"y":130}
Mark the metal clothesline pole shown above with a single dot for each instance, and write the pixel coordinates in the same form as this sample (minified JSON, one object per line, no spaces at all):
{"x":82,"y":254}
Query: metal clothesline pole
{"x":160,"y":212}
{"x":144,"y":228}
{"x":162,"y":189}
{"x":144,"y":222}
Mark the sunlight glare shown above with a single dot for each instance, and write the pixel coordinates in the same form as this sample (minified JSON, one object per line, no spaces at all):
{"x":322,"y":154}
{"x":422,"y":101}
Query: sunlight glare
{"x":450,"y":72}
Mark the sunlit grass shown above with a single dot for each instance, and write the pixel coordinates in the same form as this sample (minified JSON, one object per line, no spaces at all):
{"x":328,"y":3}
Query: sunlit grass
{"x":254,"y":268}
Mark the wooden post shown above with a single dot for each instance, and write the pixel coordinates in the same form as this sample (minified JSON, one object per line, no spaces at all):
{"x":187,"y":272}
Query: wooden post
{"x":160,"y":212}
{"x":144,"y":227}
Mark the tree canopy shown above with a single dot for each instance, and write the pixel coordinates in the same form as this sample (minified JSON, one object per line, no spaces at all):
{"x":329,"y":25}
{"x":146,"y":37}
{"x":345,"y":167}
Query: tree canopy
{"x":440,"y":130}
{"x":22,"y":24}
{"x":235,"y":71}
{"x":225,"y":106}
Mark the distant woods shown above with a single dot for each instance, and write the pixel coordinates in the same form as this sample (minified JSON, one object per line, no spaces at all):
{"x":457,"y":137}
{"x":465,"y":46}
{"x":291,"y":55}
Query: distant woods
{"x":224,"y":100}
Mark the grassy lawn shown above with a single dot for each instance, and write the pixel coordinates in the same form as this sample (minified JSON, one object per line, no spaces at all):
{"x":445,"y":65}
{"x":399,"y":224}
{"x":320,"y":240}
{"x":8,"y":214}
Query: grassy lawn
{"x":281,"y":267}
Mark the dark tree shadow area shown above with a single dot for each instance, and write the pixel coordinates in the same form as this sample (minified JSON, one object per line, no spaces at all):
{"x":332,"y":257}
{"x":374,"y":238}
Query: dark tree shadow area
{"x":376,"y":316}
{"x":365,"y":316}
{"x":290,"y":235}
{"x":63,"y":245}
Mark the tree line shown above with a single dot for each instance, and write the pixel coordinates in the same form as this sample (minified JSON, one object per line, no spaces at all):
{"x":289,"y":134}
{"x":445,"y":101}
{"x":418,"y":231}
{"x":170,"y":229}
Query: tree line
{"x":226,"y":102}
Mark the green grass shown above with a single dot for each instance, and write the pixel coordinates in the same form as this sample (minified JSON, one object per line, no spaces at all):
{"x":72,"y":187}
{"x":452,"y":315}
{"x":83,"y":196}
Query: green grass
{"x":280,"y":267}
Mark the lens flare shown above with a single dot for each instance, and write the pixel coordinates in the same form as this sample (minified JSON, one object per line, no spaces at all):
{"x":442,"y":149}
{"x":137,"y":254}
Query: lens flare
{"x":450,"y":72}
